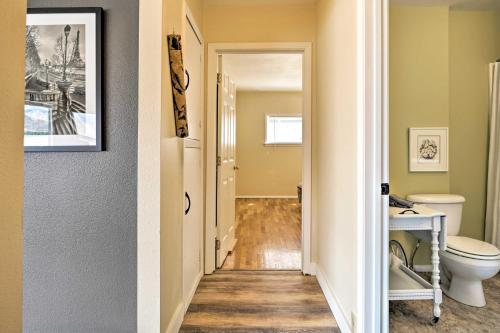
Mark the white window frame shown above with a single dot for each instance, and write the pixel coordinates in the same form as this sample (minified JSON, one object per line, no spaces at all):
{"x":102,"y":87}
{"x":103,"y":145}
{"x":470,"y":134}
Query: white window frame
{"x":283,"y":115}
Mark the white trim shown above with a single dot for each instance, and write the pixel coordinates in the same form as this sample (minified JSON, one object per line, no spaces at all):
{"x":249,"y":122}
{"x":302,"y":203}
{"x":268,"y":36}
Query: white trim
{"x":192,"y":291}
{"x":372,"y":171}
{"x":176,"y":320}
{"x":266,"y":197}
{"x":148,"y":166}
{"x":333,"y":302}
{"x":211,"y":134}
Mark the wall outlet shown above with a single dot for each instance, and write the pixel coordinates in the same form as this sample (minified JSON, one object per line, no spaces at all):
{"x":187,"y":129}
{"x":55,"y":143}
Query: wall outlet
{"x":354,"y":322}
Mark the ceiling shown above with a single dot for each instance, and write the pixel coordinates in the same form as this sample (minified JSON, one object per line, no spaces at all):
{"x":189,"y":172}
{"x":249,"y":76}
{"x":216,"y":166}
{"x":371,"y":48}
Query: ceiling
{"x":279,"y":72}
{"x":258,"y":2}
{"x":455,"y":4}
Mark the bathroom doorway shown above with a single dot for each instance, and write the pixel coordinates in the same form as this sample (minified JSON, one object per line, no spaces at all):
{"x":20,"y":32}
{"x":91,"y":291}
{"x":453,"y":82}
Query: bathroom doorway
{"x":441,"y":64}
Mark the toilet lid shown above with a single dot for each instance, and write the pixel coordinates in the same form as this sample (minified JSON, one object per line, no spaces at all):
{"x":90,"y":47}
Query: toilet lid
{"x":472,"y":248}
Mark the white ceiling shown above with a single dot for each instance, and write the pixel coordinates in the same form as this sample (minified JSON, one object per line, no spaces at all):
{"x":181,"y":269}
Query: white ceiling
{"x":257,"y":2}
{"x":281,"y":72}
{"x":455,"y":4}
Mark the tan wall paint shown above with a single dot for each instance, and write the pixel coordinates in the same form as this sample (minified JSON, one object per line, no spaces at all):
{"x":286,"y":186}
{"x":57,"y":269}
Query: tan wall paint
{"x":419,"y":88}
{"x":196,"y":7}
{"x":265,"y":170}
{"x":337,"y":163}
{"x":419,"y":96}
{"x":474,"y":43}
{"x":13,"y":26}
{"x":172,"y":192}
{"x":259,"y":23}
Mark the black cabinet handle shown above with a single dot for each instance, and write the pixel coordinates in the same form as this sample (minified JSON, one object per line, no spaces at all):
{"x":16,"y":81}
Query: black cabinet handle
{"x":188,"y":80}
{"x":189,"y":204}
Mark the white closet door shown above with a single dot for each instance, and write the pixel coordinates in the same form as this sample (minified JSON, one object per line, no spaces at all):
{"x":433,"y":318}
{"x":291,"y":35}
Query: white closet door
{"x":192,"y":231}
{"x":193,"y":51}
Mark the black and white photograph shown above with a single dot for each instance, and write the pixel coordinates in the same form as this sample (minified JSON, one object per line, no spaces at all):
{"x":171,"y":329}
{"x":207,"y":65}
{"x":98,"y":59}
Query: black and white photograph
{"x":62,"y":80}
{"x":428,"y":149}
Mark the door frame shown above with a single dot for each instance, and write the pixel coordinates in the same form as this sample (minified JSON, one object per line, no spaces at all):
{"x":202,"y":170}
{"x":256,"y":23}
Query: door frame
{"x":214,"y":50}
{"x":373,"y":103}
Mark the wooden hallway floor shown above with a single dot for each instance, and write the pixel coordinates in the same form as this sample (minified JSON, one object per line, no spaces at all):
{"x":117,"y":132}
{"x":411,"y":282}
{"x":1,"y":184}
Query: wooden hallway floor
{"x":259,"y":301}
{"x":269,"y":235}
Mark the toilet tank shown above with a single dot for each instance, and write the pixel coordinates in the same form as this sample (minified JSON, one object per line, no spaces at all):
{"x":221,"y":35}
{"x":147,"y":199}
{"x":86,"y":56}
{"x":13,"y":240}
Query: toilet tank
{"x":450,"y":204}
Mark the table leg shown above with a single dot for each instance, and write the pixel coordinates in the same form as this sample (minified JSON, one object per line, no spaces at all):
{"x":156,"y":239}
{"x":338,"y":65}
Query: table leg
{"x":435,"y":269}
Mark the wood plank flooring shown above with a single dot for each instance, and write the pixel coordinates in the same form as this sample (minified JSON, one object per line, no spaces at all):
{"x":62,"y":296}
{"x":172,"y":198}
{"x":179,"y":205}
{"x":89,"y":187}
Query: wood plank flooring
{"x":415,"y":316}
{"x":269,"y":235}
{"x":259,"y":301}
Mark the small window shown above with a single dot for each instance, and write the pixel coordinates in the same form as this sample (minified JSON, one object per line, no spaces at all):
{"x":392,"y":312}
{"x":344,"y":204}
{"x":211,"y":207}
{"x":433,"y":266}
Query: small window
{"x":283,"y":130}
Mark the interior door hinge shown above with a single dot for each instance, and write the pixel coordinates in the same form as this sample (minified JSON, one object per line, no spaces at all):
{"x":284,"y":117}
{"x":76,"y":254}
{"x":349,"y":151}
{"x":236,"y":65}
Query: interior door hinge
{"x":385,"y":189}
{"x":219,"y":161}
{"x":219,"y":78}
{"x":217,"y":244}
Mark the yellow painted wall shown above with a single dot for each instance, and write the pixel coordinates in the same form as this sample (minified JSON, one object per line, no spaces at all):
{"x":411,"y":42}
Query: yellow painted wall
{"x":419,"y":90}
{"x":439,"y":77}
{"x":336,"y":135}
{"x":196,"y":7}
{"x":12,"y":27}
{"x":259,"y":23}
{"x":265,"y":170}
{"x":418,"y":96}
{"x":474,"y":43}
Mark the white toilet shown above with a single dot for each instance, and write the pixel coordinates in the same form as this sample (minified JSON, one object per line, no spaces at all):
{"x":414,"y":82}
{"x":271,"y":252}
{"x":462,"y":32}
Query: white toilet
{"x":466,"y":261}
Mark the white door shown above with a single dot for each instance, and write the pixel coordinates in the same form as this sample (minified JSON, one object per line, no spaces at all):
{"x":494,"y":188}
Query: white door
{"x":192,"y":231}
{"x":226,"y":114}
{"x":193,"y":53}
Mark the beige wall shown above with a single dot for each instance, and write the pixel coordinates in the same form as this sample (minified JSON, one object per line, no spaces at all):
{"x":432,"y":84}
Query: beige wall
{"x":172,"y":192}
{"x":336,"y":149}
{"x":419,"y":96}
{"x":196,"y":7}
{"x":148,"y":172}
{"x":419,"y":89}
{"x":474,"y":43}
{"x":439,"y":77}
{"x":265,"y":170}
{"x":12,"y":27}
{"x":259,"y":23}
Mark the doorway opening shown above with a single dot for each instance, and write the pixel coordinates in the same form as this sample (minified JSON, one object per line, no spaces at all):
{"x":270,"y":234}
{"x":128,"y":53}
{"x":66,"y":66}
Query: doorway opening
{"x":258,"y":157}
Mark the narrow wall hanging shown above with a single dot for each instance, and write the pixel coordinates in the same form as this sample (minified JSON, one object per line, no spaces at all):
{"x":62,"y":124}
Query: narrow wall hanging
{"x":63,"y":88}
{"x":178,"y":86}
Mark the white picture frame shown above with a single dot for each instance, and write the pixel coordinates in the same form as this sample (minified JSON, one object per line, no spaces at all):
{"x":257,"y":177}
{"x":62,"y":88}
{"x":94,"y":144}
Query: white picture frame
{"x":428,"y":149}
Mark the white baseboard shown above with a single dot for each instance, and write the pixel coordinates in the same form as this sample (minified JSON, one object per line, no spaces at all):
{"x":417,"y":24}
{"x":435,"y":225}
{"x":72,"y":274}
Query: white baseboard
{"x":176,"y":321}
{"x":192,"y":291}
{"x":266,"y":197}
{"x":309,"y":269}
{"x":333,"y":302}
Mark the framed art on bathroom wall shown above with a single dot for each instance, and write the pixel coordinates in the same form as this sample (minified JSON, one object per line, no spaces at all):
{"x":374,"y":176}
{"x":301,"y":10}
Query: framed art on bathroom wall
{"x":63,"y":88}
{"x":428,"y":151}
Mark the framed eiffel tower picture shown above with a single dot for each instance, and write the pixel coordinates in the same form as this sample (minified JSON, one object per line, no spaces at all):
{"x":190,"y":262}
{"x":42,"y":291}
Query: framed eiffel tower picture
{"x":63,"y":80}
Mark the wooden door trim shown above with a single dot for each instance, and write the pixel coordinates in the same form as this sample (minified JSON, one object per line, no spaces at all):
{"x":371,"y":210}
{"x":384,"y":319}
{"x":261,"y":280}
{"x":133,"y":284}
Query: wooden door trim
{"x":215,"y":49}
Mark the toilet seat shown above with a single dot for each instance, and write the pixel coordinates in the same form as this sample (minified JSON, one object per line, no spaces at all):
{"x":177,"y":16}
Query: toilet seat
{"x":472,"y":248}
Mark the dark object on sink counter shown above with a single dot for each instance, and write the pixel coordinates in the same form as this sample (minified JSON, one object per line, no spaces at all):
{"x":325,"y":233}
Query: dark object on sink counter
{"x":395,"y":201}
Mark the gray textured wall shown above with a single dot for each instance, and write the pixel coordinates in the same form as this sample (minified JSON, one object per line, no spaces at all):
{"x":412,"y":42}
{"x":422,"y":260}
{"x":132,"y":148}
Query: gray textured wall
{"x":80,"y":233}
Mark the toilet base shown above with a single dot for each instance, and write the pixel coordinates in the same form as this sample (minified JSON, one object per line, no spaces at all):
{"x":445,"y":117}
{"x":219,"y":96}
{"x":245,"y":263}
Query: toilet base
{"x":466,"y":292}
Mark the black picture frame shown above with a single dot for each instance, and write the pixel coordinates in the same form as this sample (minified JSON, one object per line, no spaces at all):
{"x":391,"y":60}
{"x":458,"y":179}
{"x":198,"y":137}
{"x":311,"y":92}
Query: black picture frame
{"x":99,"y":93}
